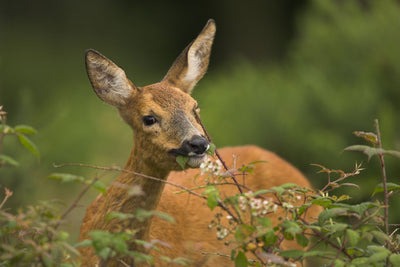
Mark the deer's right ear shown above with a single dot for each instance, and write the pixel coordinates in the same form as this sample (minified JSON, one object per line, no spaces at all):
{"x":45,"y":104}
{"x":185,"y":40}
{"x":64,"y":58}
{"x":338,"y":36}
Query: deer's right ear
{"x":108,"y":80}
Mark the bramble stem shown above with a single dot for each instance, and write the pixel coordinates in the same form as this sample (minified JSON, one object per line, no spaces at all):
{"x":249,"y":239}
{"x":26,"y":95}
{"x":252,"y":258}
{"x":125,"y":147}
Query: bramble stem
{"x":216,"y":152}
{"x":384,"y":180}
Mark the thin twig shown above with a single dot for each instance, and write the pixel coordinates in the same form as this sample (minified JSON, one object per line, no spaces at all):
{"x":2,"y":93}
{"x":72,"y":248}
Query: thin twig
{"x":321,"y":236}
{"x":216,"y":151}
{"x":78,"y":198}
{"x":220,"y":204}
{"x":384,"y":180}
{"x":7,"y":196}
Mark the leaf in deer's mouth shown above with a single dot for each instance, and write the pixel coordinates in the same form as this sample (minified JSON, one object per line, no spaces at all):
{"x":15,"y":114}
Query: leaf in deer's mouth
{"x":211,"y":149}
{"x":181,"y":160}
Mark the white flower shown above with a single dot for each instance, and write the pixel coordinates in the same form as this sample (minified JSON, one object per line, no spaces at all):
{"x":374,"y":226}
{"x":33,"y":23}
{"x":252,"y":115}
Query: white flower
{"x":287,"y":205}
{"x":221,"y":234}
{"x":275,"y":208}
{"x":242,"y":203}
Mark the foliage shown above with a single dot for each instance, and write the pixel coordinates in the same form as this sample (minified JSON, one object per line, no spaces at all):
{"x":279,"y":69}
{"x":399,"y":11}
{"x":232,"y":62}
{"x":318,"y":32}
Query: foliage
{"x":344,"y":234}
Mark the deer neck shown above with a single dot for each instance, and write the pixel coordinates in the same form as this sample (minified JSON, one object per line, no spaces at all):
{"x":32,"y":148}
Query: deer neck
{"x":146,"y":196}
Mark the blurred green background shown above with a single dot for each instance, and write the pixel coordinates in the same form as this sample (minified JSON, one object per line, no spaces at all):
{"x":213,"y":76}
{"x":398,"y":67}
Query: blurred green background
{"x":295,"y":77}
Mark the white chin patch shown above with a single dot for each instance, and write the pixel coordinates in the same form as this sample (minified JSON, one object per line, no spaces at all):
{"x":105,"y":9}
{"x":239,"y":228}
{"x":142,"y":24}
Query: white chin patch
{"x":195,"y":161}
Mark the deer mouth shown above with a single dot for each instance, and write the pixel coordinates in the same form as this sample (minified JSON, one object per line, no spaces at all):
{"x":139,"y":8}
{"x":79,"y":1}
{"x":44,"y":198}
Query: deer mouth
{"x":195,"y":151}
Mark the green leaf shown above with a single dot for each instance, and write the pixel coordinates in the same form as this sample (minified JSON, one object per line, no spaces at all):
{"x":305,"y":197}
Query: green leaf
{"x":292,"y":253}
{"x":336,"y":227}
{"x":372,"y":151}
{"x":330,"y":213}
{"x":360,"y":261}
{"x":270,"y":238}
{"x":380,"y":236}
{"x":352,"y":237}
{"x":119,"y":215}
{"x":212,"y":194}
{"x":264,"y":221}
{"x":24,"y":129}
{"x":389,"y":186}
{"x":290,"y":228}
{"x":394,"y":259}
{"x":8,"y":160}
{"x":104,"y":253}
{"x":66,"y":177}
{"x":241,"y":260}
{"x":211,"y":149}
{"x":212,"y":201}
{"x":243,"y":231}
{"x":302,"y":240}
{"x":28,"y":144}
{"x":338,"y":263}
{"x":181,"y":160}
{"x":322,"y":201}
{"x":393,"y":153}
{"x":142,"y":215}
{"x":362,"y":207}
{"x":100,"y":187}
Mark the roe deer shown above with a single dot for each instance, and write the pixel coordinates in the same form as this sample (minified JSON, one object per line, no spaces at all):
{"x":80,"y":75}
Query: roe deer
{"x":163,"y":117}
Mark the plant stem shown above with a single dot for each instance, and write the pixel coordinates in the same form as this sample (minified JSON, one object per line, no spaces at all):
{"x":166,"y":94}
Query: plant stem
{"x":384,"y":180}
{"x":220,"y":203}
{"x":216,"y":152}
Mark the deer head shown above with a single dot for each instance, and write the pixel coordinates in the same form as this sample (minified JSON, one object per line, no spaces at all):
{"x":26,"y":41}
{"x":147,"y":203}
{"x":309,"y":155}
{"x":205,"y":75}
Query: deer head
{"x":162,"y":115}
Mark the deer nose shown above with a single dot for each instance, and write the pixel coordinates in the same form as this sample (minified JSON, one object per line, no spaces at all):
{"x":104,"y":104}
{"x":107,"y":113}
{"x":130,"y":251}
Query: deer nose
{"x":198,"y":144}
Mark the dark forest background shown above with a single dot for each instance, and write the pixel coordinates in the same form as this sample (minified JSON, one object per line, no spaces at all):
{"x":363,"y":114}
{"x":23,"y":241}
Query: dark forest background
{"x":295,"y":77}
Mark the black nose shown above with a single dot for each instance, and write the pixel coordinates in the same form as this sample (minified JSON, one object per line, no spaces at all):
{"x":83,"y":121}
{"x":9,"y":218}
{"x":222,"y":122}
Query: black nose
{"x":198,"y":144}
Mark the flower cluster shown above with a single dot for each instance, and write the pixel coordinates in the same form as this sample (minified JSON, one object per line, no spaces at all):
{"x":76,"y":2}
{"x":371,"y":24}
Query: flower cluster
{"x":211,"y":167}
{"x":256,"y":206}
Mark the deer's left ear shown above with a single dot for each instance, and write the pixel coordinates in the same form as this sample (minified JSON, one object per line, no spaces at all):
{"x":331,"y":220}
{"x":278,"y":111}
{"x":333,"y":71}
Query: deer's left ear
{"x":192,"y":63}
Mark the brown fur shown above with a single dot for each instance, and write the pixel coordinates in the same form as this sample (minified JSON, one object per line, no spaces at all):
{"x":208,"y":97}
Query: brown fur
{"x":174,"y":110}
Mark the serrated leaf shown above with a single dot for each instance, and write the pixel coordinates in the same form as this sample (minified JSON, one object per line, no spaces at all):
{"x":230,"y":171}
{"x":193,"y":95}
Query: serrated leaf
{"x":142,"y":215}
{"x":352,"y":237}
{"x":119,"y":215}
{"x":362,"y":207}
{"x":4,"y":159}
{"x":372,"y":151}
{"x":389,"y":186}
{"x":302,"y":240}
{"x":330,"y":213}
{"x":241,"y":260}
{"x":212,"y":201}
{"x":66,"y":177}
{"x":84,"y":243}
{"x":211,"y":149}
{"x":393,"y":153}
{"x":395,"y":259}
{"x":104,"y":253}
{"x":212,"y":194}
{"x":24,"y":129}
{"x":336,"y":227}
{"x":28,"y":144}
{"x":367,"y":150}
{"x":264,"y":221}
{"x":292,"y":253}
{"x":243,"y":231}
{"x":290,"y":228}
{"x":181,"y":160}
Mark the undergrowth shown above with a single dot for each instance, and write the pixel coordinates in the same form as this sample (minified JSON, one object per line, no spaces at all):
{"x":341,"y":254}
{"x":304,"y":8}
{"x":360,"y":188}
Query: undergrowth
{"x":343,"y":234}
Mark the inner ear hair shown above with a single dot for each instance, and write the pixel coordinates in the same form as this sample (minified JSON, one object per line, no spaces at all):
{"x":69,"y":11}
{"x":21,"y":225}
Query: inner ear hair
{"x":108,"y":80}
{"x":191,"y":65}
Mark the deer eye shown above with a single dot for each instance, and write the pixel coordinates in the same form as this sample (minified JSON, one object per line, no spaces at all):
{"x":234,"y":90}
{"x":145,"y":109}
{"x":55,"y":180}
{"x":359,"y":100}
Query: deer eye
{"x":149,"y":120}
